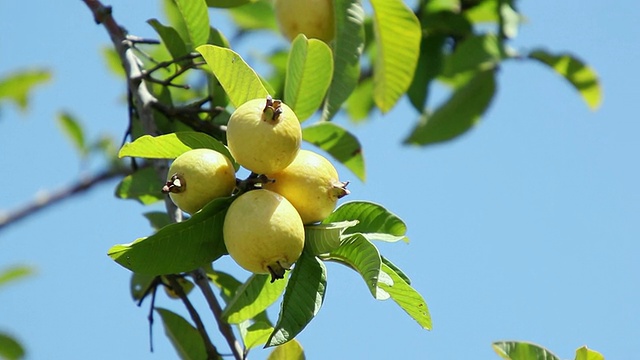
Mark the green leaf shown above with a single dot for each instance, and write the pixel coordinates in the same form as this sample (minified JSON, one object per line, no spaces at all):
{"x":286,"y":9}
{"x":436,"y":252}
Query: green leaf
{"x":288,"y":351}
{"x":183,"y":336}
{"x":256,"y":334}
{"x":458,"y":114}
{"x":324,"y":238}
{"x":339,"y":143}
{"x":10,"y":348}
{"x":179,"y":247}
{"x":257,"y":15}
{"x":239,"y":81}
{"x":15,"y":273}
{"x":18,"y":84}
{"x":170,"y":38}
{"x":362,"y":256}
{"x":157,"y":219}
{"x":430,"y":64}
{"x":195,"y":15}
{"x":170,"y":146}
{"x":72,"y":129}
{"x":185,"y":284}
{"x":302,"y":299}
{"x":143,"y":186}
{"x":442,"y":5}
{"x":227,"y":3}
{"x":227,"y":284}
{"x":584,"y":353}
{"x":374,"y":221}
{"x":309,"y":70}
{"x":252,"y":298}
{"x":518,"y":350}
{"x":397,"y":32}
{"x":581,"y":76}
{"x":397,"y":270}
{"x":480,"y":52}
{"x":347,"y":48}
{"x":406,"y":297}
{"x":360,"y":103}
{"x":140,"y":284}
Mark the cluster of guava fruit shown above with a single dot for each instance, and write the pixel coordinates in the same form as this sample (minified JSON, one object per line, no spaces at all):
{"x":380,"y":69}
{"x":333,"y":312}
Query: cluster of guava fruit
{"x":264,"y":226}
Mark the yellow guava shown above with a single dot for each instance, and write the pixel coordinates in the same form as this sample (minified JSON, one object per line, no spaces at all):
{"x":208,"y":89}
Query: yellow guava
{"x":198,"y":176}
{"x":311,"y":184}
{"x":264,"y":135}
{"x":263,"y":233}
{"x":314,"y":18}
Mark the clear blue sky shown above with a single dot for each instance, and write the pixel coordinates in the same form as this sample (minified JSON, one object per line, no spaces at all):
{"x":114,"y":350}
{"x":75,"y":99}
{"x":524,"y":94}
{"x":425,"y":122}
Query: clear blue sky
{"x":526,"y":228}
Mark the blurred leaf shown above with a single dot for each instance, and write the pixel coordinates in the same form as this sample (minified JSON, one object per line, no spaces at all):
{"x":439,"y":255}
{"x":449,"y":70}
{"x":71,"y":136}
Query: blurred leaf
{"x":170,"y":146}
{"x":491,"y":11}
{"x":196,"y":19}
{"x":442,"y":5}
{"x":19,"y":83}
{"x":374,"y":221}
{"x":179,"y":247}
{"x":398,"y":34}
{"x":252,"y":298}
{"x":362,"y":256}
{"x":430,"y":64}
{"x":291,"y":350}
{"x":256,"y":15}
{"x":480,"y":52}
{"x":339,"y":143}
{"x":184,"y":337}
{"x":324,"y":238}
{"x":581,"y":76}
{"x":15,"y":273}
{"x":302,"y":299}
{"x":112,"y":60}
{"x":227,"y":284}
{"x":309,"y":71}
{"x":256,"y":334}
{"x":143,"y":186}
{"x":185,"y":284}
{"x":157,"y":219}
{"x":458,"y":114}
{"x":72,"y":129}
{"x":517,"y":350}
{"x":140,"y":285}
{"x":240,"y":82}
{"x":360,"y":103}
{"x":10,"y":348}
{"x":227,"y":3}
{"x":585,"y":353}
{"x":347,"y":48}
{"x":170,"y":38}
{"x":407,"y":297}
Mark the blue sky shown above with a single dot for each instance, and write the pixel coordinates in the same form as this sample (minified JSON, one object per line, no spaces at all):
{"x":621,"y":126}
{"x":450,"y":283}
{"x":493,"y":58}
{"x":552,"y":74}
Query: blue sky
{"x":525,"y":228}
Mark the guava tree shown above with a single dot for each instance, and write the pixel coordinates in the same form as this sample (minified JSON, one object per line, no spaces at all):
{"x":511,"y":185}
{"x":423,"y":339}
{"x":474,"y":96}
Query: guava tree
{"x":346,"y":58}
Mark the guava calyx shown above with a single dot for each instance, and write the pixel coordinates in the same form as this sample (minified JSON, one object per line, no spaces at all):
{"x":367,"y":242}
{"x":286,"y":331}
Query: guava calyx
{"x":272,"y":110}
{"x":277,"y":270}
{"x":176,"y":185}
{"x":340,"y":190}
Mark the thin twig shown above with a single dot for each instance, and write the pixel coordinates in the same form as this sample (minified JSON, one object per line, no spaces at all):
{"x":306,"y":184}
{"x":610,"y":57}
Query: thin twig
{"x":202,"y":281}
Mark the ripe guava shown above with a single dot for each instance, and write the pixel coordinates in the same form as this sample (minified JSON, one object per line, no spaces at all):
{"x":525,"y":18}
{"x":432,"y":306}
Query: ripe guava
{"x":264,"y":135}
{"x":263,"y":233}
{"x":314,"y":18}
{"x":198,"y":176}
{"x":311,"y":184}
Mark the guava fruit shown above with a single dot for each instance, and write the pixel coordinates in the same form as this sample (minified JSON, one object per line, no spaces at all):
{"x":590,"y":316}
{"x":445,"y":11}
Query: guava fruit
{"x":264,"y":135}
{"x":311,"y":184}
{"x":263,"y":233}
{"x":198,"y":176}
{"x":314,"y":18}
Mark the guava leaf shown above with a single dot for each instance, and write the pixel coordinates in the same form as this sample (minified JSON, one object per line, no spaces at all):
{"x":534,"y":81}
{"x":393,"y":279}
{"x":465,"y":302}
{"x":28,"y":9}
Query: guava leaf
{"x":239,"y":81}
{"x":309,"y":71}
{"x":256,"y":334}
{"x":179,"y":247}
{"x":196,"y":19}
{"x":362,"y":256}
{"x":143,"y":186}
{"x":183,"y":336}
{"x":157,"y":219}
{"x":252,"y":298}
{"x":227,"y":284}
{"x":339,"y":143}
{"x":184,"y":283}
{"x":170,"y":38}
{"x":481,"y":52}
{"x":288,"y":351}
{"x":430,"y":63}
{"x":170,"y":146}
{"x":406,"y":297}
{"x":302,"y":299}
{"x":18,"y":84}
{"x":10,"y":348}
{"x":347,"y":48}
{"x":584,"y":353}
{"x":227,"y":3}
{"x":374,"y":221}
{"x":360,"y":103}
{"x":140,"y":284}
{"x":519,"y":350}
{"x":15,"y":273}
{"x":324,"y":238}
{"x":397,"y":32}
{"x":257,"y":15}
{"x":398,"y":271}
{"x":73,"y":130}
{"x":581,"y":76}
{"x":458,"y":114}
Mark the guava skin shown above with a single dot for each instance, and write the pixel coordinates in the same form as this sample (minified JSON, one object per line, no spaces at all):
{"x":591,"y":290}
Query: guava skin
{"x":263,"y":233}
{"x":311,"y":184}
{"x":314,"y":18}
{"x":198,"y":176}
{"x":264,"y":135}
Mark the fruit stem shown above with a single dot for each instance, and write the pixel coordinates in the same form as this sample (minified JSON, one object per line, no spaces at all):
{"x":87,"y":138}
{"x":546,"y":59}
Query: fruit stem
{"x":272,"y":110}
